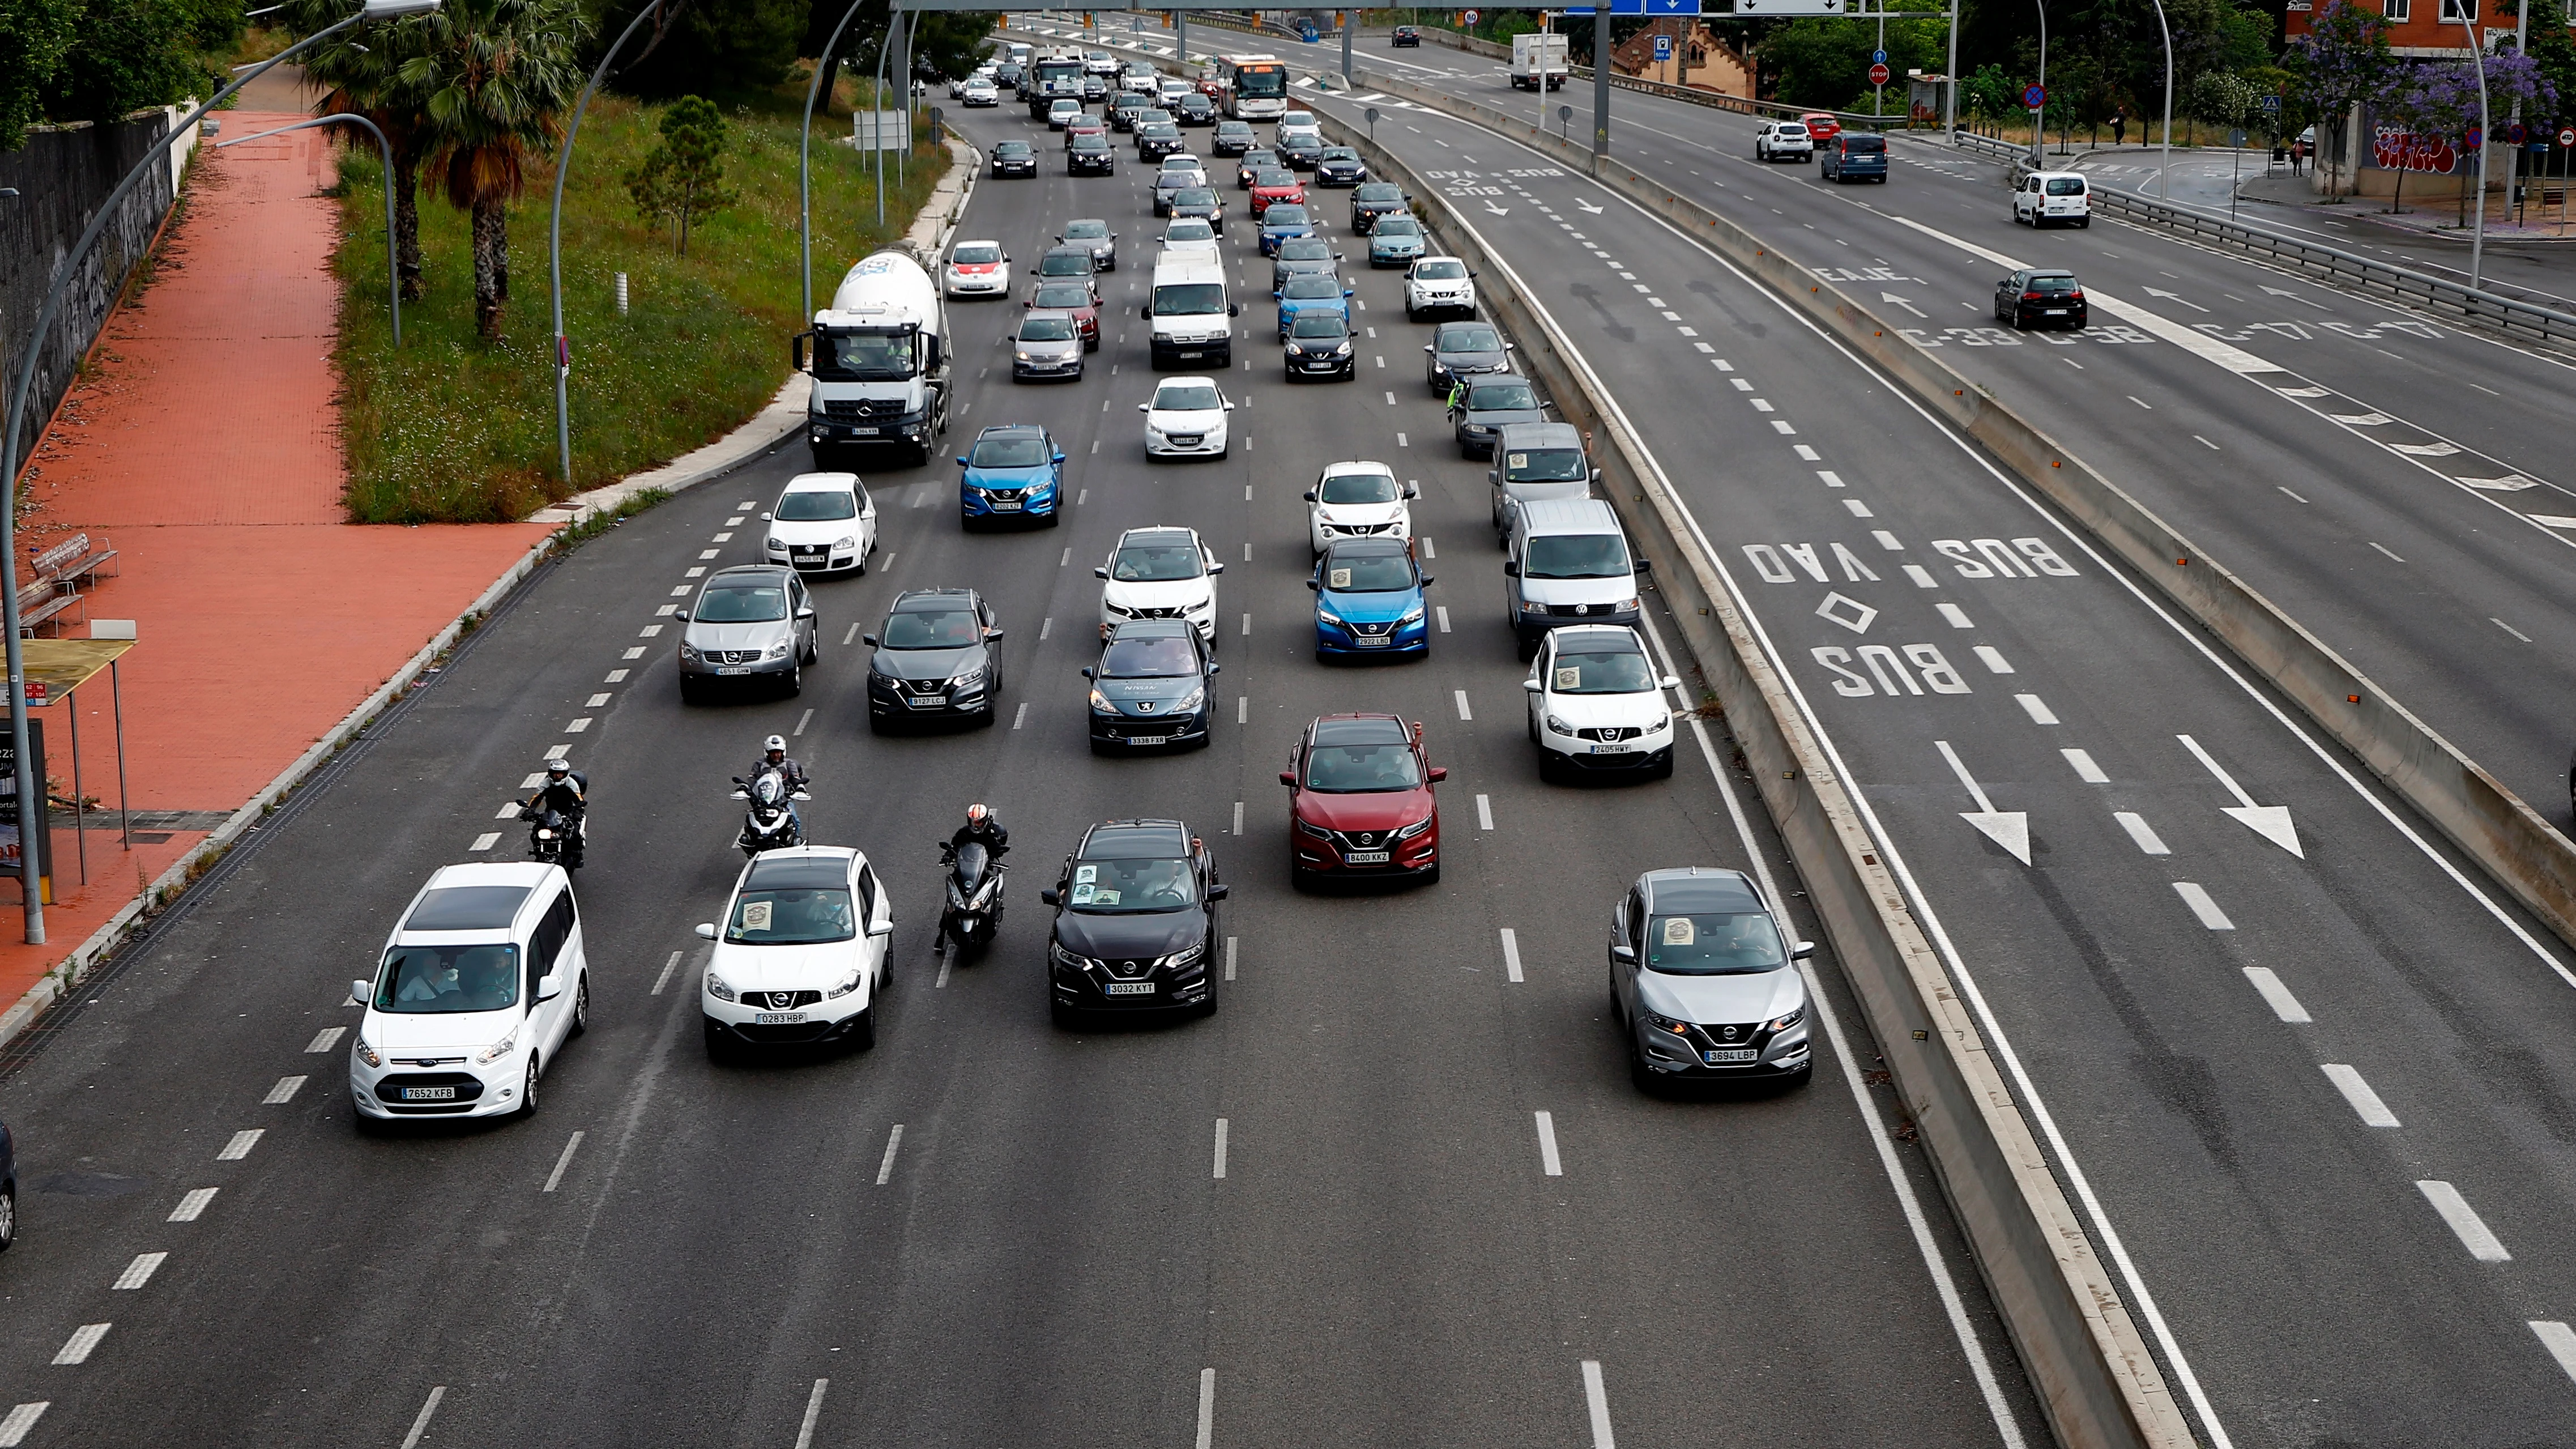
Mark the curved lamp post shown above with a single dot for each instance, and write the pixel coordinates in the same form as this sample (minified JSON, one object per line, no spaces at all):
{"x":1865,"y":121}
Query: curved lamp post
{"x":2039,"y":114}
{"x":804,"y":150}
{"x":554,"y":239}
{"x":2478,"y":232}
{"x":30,"y":813}
{"x":2165,"y":168}
{"x":393,"y":264}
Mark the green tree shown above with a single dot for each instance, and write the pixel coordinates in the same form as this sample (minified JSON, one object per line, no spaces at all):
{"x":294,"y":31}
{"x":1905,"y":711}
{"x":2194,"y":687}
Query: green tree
{"x":683,"y":177}
{"x":712,"y":46}
{"x":2224,"y":98}
{"x":361,"y":73}
{"x":137,"y":53}
{"x":2342,"y":61}
{"x":35,"y":38}
{"x":495,"y":79}
{"x":2555,"y":54}
{"x":1821,"y":62}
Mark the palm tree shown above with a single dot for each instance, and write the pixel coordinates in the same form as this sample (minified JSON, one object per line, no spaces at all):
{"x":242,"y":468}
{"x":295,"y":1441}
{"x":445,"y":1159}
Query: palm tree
{"x":364,"y":79}
{"x":494,"y":81}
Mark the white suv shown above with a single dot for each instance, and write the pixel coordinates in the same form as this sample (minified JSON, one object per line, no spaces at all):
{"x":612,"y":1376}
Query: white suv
{"x":480,"y":984}
{"x":1186,"y":419}
{"x":823,"y":523}
{"x":800,"y":955}
{"x":1438,"y":284}
{"x":1776,"y":139}
{"x":1596,"y":705}
{"x":2060,"y":198}
{"x":1358,"y":500}
{"x":1160,"y":573}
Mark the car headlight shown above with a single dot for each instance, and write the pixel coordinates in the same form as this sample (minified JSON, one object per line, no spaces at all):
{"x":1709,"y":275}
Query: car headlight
{"x":846,"y":984}
{"x":1666,"y":1023}
{"x":1532,"y":606}
{"x":1309,"y":828}
{"x":688,"y":654}
{"x":846,"y":541}
{"x":1416,"y":828}
{"x":971,"y":679}
{"x":1633,"y":604}
{"x":1181,"y":958}
{"x":498,"y":1049}
{"x":1064,"y":957}
{"x":1201,"y":607}
{"x":1784,"y":1022}
{"x":778,"y":650}
{"x":1025,"y":356}
{"x":717,"y":988}
{"x":367,"y":1053}
{"x":1411,"y":616}
{"x":1557,"y":726}
{"x":1154,"y":433}
{"x":1189,"y":702}
{"x":777,"y":545}
{"x":1100,"y":704}
{"x":1342,"y":351}
{"x":1120,"y":610}
{"x":1327,"y":616}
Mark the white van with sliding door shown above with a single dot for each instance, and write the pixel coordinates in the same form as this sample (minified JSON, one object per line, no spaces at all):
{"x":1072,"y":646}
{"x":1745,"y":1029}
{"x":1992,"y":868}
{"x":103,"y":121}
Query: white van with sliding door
{"x":2054,"y":198}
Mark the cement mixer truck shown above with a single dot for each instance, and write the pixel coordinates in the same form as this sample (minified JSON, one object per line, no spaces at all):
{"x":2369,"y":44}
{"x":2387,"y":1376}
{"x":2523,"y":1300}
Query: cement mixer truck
{"x":879,"y":356}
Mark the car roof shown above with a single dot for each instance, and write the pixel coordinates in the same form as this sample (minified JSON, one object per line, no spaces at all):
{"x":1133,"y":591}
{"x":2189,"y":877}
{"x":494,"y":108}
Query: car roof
{"x":821,"y":483}
{"x":797,"y":866}
{"x":1051,"y":314}
{"x":1540,"y":435}
{"x":1162,"y":383}
{"x":1153,"y":629}
{"x":1371,"y":547}
{"x":1355,"y":465}
{"x":749,"y":570}
{"x":1135,"y":840}
{"x":1360,"y":729}
{"x":1597,"y":639}
{"x":924,"y":599}
{"x":1492,"y":379}
{"x":525,"y":873}
{"x":1695,"y":888}
{"x":1012,"y":430}
{"x":1158,"y":533}
{"x":1550,"y":516}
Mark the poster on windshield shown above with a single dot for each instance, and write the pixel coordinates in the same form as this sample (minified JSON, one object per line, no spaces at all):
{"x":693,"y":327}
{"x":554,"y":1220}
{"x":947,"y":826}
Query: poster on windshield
{"x":9,"y":849}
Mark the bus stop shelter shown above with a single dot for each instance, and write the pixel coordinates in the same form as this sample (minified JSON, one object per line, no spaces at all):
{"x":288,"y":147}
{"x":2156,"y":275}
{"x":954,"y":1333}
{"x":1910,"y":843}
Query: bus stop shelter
{"x":55,"y":669}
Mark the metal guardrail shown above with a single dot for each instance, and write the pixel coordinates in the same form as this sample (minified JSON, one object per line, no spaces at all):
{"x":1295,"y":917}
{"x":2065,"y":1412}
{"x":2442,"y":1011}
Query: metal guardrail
{"x":1687,"y":95}
{"x":2333,"y":265}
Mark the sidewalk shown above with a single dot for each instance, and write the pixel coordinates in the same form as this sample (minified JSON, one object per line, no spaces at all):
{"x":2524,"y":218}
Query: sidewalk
{"x":202,"y":444}
{"x":2432,"y":212}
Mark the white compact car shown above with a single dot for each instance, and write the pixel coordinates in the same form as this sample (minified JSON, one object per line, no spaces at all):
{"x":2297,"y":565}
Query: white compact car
{"x":977,"y":269}
{"x":1160,"y":573}
{"x":1438,"y":284}
{"x":1358,"y":500}
{"x":1190,"y":236}
{"x":481,"y":983}
{"x":824,"y":523}
{"x":1783,"y":140}
{"x":800,"y":955}
{"x":1186,"y":419}
{"x":1596,"y":705}
{"x":2053,"y":198}
{"x":980,"y":92}
{"x":1061,"y":111}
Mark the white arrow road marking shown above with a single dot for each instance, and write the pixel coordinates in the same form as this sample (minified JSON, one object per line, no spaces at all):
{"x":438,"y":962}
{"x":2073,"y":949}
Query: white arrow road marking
{"x":1497,"y":210}
{"x":2272,"y":822}
{"x":1587,"y":206}
{"x":2295,"y":297}
{"x":2007,"y":828}
{"x":1901,"y":302}
{"x":2175,"y":297}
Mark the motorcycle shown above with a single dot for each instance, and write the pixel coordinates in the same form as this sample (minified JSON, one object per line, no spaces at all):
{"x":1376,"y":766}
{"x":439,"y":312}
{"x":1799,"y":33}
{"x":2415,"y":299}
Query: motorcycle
{"x":554,"y":838}
{"x":974,"y":914}
{"x":770,"y":824}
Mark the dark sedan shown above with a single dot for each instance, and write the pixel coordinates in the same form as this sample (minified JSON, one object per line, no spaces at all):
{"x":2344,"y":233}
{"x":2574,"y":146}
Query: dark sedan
{"x":1340,"y":166}
{"x":1195,"y":109}
{"x":1373,"y":199}
{"x":1201,"y":202}
{"x":1319,"y":345}
{"x":1092,"y":232}
{"x":1151,"y":687}
{"x":1300,"y":149}
{"x":1135,"y":922}
{"x":1075,"y":300}
{"x":1090,"y":156}
{"x":1014,"y":158}
{"x":1253,"y":163}
{"x":1155,"y":140}
{"x":933,"y":660}
{"x":1295,"y":255}
{"x":2040,"y":297}
{"x":1490,"y":402}
{"x":1406,"y":37}
{"x":1232,"y":138}
{"x":1463,"y":349}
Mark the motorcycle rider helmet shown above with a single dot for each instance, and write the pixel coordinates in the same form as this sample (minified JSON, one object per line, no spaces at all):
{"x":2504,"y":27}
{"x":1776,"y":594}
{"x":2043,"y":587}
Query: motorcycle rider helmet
{"x":775,"y":745}
{"x":976,"y":814}
{"x":557,"y":769}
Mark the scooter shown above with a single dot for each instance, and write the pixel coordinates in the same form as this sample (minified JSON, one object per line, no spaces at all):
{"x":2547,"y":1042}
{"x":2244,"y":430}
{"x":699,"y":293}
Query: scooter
{"x":974,"y":914}
{"x":770,"y":823}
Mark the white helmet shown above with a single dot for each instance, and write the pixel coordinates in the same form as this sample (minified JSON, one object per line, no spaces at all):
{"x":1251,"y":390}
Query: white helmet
{"x":775,"y":742}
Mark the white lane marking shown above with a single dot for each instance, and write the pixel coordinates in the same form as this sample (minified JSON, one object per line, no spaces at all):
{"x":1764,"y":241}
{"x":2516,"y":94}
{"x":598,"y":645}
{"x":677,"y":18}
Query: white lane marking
{"x":1402,"y":442}
{"x":284,"y":1092}
{"x":635,"y":653}
{"x":597,"y":700}
{"x":556,"y":1177}
{"x":1443,"y":611}
{"x":2276,"y":995}
{"x":1987,"y":654}
{"x":2383,"y":548}
{"x":1596,"y":1402}
{"x":1484,"y":812}
{"x":1238,"y":817}
{"x":420,"y":1425}
{"x":1207,"y":1403}
{"x":15,"y":1426}
{"x":2508,"y":628}
{"x":1022,"y":717}
{"x":193,"y":1206}
{"x":711,"y":553}
{"x":2365,"y":1102}
{"x":510,"y":808}
{"x":943,"y":973}
{"x":1046,"y":626}
{"x":664,"y":612}
{"x":2455,"y":1210}
{"x":1220,"y":1146}
{"x":486,"y":840}
{"x":1781,"y":427}
{"x":1464,"y":712}
{"x":325,"y":1039}
{"x":241,"y":1144}
{"x":2036,"y":708}
{"x":2085,"y":770}
{"x":852,"y":634}
{"x":2202,"y":906}
{"x":679,"y":591}
{"x":1229,"y":958}
{"x":1858,"y":509}
{"x":2141,"y":832}
{"x":1066,"y":559}
{"x":694,"y":571}
{"x":139,"y":1272}
{"x":1390,"y":399}
{"x":77,"y":1348}
{"x":2556,"y":1337}
{"x":1247,"y":626}
{"x":1921,"y":576}
{"x":802,"y":721}
{"x":1887,"y":540}
{"x":1511,"y":954}
{"x":885,"y":1166}
{"x":813,"y":1412}
{"x":1547,"y":1159}
{"x":665,"y":978}
{"x":1243,"y":709}
{"x":649,"y":631}
{"x":1247,"y":551}
{"x":1957,"y":617}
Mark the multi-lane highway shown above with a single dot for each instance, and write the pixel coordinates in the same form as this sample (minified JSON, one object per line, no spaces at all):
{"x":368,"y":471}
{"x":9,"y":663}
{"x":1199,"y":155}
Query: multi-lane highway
{"x":1397,"y":1191}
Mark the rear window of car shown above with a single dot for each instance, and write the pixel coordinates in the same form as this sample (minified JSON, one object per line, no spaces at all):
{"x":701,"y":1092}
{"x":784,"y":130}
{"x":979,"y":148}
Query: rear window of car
{"x":1284,"y":214}
{"x":2066,"y":186}
{"x":1863,"y":144}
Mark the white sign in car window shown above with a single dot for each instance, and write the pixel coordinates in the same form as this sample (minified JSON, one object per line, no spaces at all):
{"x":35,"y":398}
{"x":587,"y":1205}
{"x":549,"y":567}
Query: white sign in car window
{"x":1570,"y":677}
{"x":1680,"y":931}
{"x":756,"y":914}
{"x":1086,"y":873}
{"x":1341,"y":578}
{"x":1517,"y":460}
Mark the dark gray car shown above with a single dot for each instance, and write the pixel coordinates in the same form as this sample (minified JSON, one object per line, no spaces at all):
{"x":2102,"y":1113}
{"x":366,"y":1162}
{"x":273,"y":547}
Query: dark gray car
{"x":1340,"y":166}
{"x":1047,"y":344}
{"x":1373,"y":199}
{"x":1492,"y":402}
{"x":1303,"y":255}
{"x":1092,"y":232}
{"x":932,"y":661}
{"x":1201,"y":202}
{"x":752,"y":622}
{"x":1463,"y":349}
{"x":1150,"y":687}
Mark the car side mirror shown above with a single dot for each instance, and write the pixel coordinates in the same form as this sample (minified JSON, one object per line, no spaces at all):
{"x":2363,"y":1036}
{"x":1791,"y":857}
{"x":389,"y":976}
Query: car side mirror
{"x":1146,"y":311}
{"x":1229,"y":405}
{"x":1317,"y":585}
{"x":1641,"y":565}
{"x":1288,"y":778}
{"x":1087,"y":672}
{"x":1669,"y":681}
{"x":1428,"y":581}
{"x":680,"y":614}
{"x":361,"y":990}
{"x":1216,"y":568}
{"x":706,"y":930}
{"x":1437,"y":774}
{"x":1059,"y":457}
{"x":992,"y":633}
{"x":868,"y":639}
{"x":1427,"y":347}
{"x":1310,"y":495}
{"x":1047,"y":896}
{"x":1145,"y":407}
{"x":1624,"y":955}
{"x":806,"y":612}
{"x":882,"y":928}
{"x":1471,"y":274}
{"x":1533,"y":686}
{"x":1596,"y":476}
{"x":1217,"y":892}
{"x":1214,"y":668}
{"x":1511,"y":570}
{"x":766,"y":518}
{"x":961,"y":460}
{"x":1511,"y":347}
{"x":1101,"y":572}
{"x":1411,"y":491}
{"x":1234,"y":309}
{"x":1802,"y":950}
{"x":550,"y":987}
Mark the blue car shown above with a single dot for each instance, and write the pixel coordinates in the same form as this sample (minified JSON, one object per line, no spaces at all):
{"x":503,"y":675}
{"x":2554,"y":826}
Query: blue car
{"x":1282,"y":220}
{"x":1312,"y":294}
{"x":1368,"y":600}
{"x":1013,"y":471}
{"x":1395,"y":242}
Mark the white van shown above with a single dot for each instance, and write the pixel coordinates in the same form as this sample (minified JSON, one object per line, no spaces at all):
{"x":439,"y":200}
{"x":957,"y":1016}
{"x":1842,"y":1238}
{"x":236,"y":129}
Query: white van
{"x":2053,"y":198}
{"x":1190,"y":317}
{"x":1565,"y":561}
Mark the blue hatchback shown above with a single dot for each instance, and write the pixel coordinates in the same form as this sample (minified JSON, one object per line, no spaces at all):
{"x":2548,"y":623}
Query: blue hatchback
{"x":1013,"y":471}
{"x":1368,"y":600}
{"x":1312,"y":294}
{"x":1282,"y":220}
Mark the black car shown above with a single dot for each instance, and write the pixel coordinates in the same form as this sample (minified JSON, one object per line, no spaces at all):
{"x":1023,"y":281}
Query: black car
{"x":1070,"y":262}
{"x":1300,"y":149}
{"x":933,"y":660}
{"x":1156,"y":140}
{"x":1092,"y":232}
{"x":8,"y":1189}
{"x":1090,"y":155}
{"x":1254,"y":162}
{"x":1014,"y":158}
{"x":1007,"y":76}
{"x":2040,"y":297}
{"x":1135,"y":922}
{"x":1463,"y":349}
{"x":1406,"y":37}
{"x":1151,"y":687}
{"x":1490,"y":402}
{"x":1125,"y":106}
{"x":1319,"y":345}
{"x":1340,"y":166}
{"x":1232,"y":138}
{"x":1201,"y":202}
{"x":1094,"y":88}
{"x":1195,"y":109}
{"x":1373,"y":199}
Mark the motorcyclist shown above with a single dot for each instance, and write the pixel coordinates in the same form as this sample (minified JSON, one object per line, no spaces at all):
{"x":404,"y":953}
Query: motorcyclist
{"x":982,"y":828}
{"x":566,"y":792}
{"x":774,"y":756}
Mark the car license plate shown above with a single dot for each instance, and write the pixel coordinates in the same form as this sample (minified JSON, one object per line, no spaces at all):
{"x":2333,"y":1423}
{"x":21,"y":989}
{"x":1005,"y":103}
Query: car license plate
{"x":1186,"y":356}
{"x":1368,"y":857}
{"x":1611,"y":749}
{"x":2056,"y":311}
{"x":1730,"y":1056}
{"x":429,"y":1094}
{"x":1148,"y":739}
{"x":1368,"y":642}
{"x":1006,"y":505}
{"x":733,"y":669}
{"x":1128,"y":988}
{"x":778,"y":1018}
{"x":864,"y":432}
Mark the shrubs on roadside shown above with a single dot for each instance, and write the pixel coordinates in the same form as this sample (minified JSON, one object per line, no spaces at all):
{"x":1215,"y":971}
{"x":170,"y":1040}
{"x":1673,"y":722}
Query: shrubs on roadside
{"x":682,"y":179}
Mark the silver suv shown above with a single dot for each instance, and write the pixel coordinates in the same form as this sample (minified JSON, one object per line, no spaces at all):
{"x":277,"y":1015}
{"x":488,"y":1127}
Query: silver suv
{"x":1705,"y":984}
{"x":750,"y":622}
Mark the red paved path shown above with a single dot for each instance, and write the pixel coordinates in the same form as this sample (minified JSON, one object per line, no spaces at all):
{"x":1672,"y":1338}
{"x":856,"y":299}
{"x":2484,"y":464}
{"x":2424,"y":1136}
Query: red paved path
{"x":204,"y":447}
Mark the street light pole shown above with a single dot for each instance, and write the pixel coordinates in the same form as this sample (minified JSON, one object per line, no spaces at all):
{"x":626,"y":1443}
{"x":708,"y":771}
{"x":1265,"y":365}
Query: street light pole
{"x":2166,"y":168}
{"x":876,"y":121}
{"x":1950,"y":85}
{"x":1600,"y":83}
{"x":804,"y":149}
{"x":30,"y":809}
{"x":2478,"y":223}
{"x":2039,"y":113}
{"x":393,"y":263}
{"x":554,"y":242}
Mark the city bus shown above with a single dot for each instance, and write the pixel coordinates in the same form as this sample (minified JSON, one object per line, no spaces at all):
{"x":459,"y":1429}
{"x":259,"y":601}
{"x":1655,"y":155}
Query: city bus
{"x":1250,"y":87}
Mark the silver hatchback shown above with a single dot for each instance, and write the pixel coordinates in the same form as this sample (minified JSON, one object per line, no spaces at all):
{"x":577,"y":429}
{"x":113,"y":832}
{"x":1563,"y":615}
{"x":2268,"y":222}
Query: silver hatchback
{"x":753,"y":622}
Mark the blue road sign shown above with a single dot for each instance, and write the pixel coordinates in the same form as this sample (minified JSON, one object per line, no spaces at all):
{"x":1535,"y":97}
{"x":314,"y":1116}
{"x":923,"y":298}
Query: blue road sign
{"x":1878,"y":57}
{"x":2034,"y":96}
{"x":2271,"y":103}
{"x":1663,"y":48}
{"x":1640,"y":7}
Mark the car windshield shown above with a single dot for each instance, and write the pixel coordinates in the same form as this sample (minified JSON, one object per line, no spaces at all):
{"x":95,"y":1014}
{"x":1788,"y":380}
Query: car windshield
{"x":1396,"y":226}
{"x":1576,"y":556}
{"x":1047,"y":329}
{"x":1340,"y":153}
{"x":1361,"y":769}
{"x":1275,"y":178}
{"x":1148,"y":659}
{"x":1470,"y":339}
{"x":1304,"y":248}
{"x":1192,"y":229}
{"x":1327,"y":324}
{"x":1378,"y":191}
{"x":1187,"y":397}
{"x":931,"y":629}
{"x":1011,"y":148}
{"x":1368,"y":573}
{"x":792,"y":917}
{"x":1089,"y":143}
{"x":1194,"y":196}
{"x":1065,"y":264}
{"x":742,"y":603}
{"x":2066,"y":186}
{"x":977,"y":254}
{"x":1063,"y":297}
{"x":1086,"y":230}
{"x":1717,"y":943}
{"x":1189,"y":299}
{"x":428,"y":979}
{"x":1545,"y":465}
{"x":1485,"y":396}
{"x":1021,"y":452}
{"x":1126,"y":887}
{"x":1311,"y":285}
{"x":1155,"y":563}
{"x":817,"y":505}
{"x":863,"y":356}
{"x":1360,"y":488}
{"x":1623,"y":672}
{"x":1287,"y":214}
{"x":1161,"y":131}
{"x":1440,"y":271}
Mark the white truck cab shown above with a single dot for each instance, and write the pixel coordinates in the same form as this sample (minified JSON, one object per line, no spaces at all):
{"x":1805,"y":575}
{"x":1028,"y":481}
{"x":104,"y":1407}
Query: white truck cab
{"x":879,"y":357}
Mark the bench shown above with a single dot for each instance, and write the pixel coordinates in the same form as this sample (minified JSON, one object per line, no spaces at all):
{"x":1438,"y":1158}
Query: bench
{"x":41,"y":601}
{"x":73,"y":560}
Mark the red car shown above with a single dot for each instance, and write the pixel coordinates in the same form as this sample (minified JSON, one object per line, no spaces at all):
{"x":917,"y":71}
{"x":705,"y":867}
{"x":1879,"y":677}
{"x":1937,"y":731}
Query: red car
{"x":1270,"y":186}
{"x":1822,"y":127}
{"x":1073,"y":297}
{"x":1360,"y":803}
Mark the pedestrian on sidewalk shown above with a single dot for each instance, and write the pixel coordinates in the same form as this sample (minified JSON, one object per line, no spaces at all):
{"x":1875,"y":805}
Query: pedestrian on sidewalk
{"x":2119,"y":123}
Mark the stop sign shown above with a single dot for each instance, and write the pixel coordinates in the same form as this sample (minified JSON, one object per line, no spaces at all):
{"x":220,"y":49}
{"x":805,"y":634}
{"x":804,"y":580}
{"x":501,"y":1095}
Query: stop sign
{"x":1878,"y":75}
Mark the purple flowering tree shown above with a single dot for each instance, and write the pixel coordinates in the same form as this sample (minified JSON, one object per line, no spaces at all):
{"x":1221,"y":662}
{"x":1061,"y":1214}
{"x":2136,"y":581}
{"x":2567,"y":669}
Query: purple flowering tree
{"x":2341,"y":62}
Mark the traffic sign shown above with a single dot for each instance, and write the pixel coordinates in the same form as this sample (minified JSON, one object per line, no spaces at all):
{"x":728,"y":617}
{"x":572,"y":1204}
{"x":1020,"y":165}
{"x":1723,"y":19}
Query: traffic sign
{"x":1878,"y":57}
{"x":2271,"y":103}
{"x":2034,"y":96}
{"x":2517,"y":133}
{"x":1878,"y":75}
{"x":2477,"y":138}
{"x":1471,"y":17}
{"x":2567,"y":137}
{"x":1663,"y":48}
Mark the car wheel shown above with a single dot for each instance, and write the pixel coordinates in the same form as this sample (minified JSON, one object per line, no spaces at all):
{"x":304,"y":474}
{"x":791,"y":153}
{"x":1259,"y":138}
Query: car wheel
{"x":2084,"y":222}
{"x":528,"y":1090}
{"x":795,"y":681}
{"x":9,"y":1214}
{"x":580,"y":1005}
{"x":864,"y":1035}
